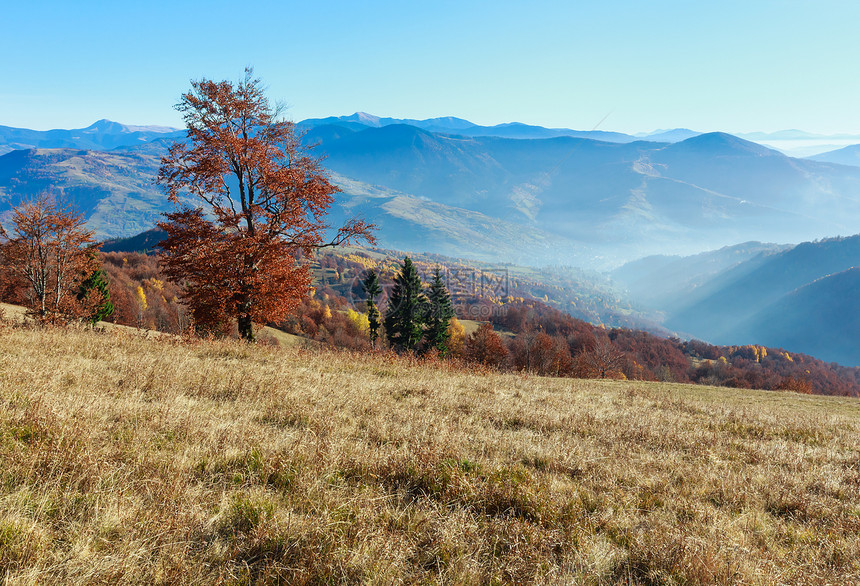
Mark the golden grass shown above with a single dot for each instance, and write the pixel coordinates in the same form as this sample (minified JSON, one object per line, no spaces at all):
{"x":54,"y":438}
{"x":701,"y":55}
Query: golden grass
{"x":127,"y":459}
{"x":13,"y":313}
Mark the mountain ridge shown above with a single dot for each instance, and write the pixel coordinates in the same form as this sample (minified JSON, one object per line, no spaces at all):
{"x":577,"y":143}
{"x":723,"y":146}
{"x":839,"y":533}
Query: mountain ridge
{"x":618,"y":200}
{"x":755,"y":299}
{"x":849,"y":155}
{"x":101,"y":135}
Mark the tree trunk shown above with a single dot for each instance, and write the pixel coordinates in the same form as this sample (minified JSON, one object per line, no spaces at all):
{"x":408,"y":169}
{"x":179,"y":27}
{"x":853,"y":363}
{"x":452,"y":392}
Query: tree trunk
{"x":246,"y":328}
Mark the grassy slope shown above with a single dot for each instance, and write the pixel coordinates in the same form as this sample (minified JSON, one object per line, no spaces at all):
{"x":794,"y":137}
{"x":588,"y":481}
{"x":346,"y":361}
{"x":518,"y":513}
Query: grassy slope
{"x":18,"y":314}
{"x":127,"y":459}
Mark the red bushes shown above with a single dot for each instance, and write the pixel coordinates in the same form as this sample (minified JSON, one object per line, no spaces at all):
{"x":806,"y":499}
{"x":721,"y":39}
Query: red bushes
{"x":541,"y":354}
{"x":591,"y":351}
{"x":486,"y":347}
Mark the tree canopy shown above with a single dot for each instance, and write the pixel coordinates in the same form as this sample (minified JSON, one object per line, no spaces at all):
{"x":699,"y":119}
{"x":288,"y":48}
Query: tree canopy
{"x":371,"y":287}
{"x":94,"y":292}
{"x":439,"y":314}
{"x":263,"y":199}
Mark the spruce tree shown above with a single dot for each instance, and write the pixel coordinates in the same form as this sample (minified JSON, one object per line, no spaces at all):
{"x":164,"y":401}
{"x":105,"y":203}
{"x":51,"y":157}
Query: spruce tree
{"x":372,"y":289}
{"x":97,"y":282}
{"x":439,"y":314}
{"x":404,"y":319}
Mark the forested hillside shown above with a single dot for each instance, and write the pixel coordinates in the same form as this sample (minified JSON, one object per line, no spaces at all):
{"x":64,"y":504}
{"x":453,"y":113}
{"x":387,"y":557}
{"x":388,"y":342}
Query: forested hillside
{"x":521,"y":333}
{"x":800,"y":299}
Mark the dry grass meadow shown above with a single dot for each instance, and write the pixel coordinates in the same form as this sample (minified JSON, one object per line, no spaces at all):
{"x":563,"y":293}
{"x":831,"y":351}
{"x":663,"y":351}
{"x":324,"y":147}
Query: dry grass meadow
{"x":135,"y":460}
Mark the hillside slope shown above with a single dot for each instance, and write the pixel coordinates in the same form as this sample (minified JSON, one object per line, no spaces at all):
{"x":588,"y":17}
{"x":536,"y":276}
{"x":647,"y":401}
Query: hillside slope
{"x":821,"y":318}
{"x":662,"y":282}
{"x":577,"y":200}
{"x":114,"y":190}
{"x":736,"y":305}
{"x":637,"y":198}
{"x":129,"y":460}
{"x":418,"y":225}
{"x":849,"y":155}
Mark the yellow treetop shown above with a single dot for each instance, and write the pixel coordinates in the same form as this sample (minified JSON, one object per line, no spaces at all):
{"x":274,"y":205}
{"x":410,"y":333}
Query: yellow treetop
{"x":141,"y":297}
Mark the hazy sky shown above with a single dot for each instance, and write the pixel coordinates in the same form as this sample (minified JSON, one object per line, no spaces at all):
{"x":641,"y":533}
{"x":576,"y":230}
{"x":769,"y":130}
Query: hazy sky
{"x":636,"y":65}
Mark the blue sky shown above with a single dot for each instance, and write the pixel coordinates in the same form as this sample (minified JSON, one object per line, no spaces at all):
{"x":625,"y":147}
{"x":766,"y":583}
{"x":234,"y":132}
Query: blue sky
{"x":636,"y":65}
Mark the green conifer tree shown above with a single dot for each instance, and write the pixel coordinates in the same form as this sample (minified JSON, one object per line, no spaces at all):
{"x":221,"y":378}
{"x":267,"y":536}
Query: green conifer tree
{"x":98,"y":283}
{"x":372,"y":289}
{"x":404,"y":318}
{"x":439,"y":314}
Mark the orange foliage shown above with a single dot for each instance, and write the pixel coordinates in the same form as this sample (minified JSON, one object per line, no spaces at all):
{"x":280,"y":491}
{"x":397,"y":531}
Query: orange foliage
{"x":541,"y":354}
{"x":798,"y":385}
{"x":600,"y":359}
{"x":128,"y":272}
{"x":486,"y":347}
{"x":457,"y":338}
{"x":268,"y":199}
{"x":51,"y":252}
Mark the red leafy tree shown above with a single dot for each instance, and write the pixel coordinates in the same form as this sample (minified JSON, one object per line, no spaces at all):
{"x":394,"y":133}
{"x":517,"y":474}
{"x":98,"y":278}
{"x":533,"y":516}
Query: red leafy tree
{"x":263,"y":198}
{"x":541,"y":353}
{"x":486,"y":347}
{"x":51,"y":252}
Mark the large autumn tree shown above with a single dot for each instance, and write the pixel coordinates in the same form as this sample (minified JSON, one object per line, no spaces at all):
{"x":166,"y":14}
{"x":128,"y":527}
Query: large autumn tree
{"x":262,"y":199}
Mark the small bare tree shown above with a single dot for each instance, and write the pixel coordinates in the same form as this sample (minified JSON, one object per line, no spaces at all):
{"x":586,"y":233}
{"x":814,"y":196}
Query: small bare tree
{"x":600,"y":359}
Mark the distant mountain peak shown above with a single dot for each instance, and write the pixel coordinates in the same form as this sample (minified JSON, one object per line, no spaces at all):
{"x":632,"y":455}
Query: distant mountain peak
{"x":363,"y":118}
{"x":668,"y":135}
{"x":451,"y":122}
{"x":105,"y":126}
{"x":849,"y":155}
{"x":723,"y":143}
{"x":664,"y":131}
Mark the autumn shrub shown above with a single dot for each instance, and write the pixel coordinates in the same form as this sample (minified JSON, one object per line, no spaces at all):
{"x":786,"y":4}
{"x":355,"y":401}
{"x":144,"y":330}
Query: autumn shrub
{"x":486,"y":347}
{"x":457,"y":339}
{"x":13,"y":288}
{"x":797,"y":385}
{"x":541,"y":354}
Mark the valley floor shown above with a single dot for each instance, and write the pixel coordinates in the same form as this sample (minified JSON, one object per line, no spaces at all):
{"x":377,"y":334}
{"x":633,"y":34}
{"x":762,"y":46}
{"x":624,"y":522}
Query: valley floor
{"x":127,"y":459}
